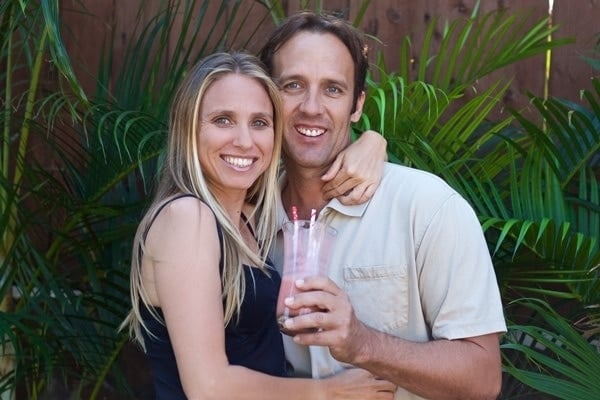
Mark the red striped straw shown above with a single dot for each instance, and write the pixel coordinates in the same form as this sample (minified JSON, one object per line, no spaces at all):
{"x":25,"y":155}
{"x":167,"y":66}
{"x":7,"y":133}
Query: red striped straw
{"x":295,"y":233}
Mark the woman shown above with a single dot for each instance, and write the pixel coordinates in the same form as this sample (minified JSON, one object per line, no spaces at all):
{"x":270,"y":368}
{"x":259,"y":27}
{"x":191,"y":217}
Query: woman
{"x":203,"y":291}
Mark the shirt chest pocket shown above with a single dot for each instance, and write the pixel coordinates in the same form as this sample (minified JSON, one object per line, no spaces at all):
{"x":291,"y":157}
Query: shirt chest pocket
{"x":379,"y":295}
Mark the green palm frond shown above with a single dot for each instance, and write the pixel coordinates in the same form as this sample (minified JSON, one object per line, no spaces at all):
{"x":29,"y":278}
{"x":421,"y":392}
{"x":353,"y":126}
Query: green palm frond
{"x":425,"y":128}
{"x":58,"y":51}
{"x":534,"y":188}
{"x":476,"y":46}
{"x":533,"y":229}
{"x":560,"y":362}
{"x":570,"y":140}
{"x":74,"y":287}
{"x":545,"y":258}
{"x":440,"y":109}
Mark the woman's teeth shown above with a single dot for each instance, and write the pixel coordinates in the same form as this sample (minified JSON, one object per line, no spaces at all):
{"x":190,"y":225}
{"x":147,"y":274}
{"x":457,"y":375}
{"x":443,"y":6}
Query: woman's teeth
{"x":238,"y":161}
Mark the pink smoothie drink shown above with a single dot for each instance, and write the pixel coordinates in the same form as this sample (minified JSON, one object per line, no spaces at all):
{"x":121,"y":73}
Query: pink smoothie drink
{"x":288,"y":286}
{"x":288,"y":289}
{"x":307,"y":251}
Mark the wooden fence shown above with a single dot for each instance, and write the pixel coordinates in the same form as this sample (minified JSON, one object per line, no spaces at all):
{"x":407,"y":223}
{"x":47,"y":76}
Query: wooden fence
{"x":388,"y":20}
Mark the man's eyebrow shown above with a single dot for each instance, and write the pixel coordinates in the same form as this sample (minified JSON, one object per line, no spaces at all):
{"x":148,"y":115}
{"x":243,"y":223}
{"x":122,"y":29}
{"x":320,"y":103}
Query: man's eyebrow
{"x":280,"y":78}
{"x":338,"y":82}
{"x":294,"y":77}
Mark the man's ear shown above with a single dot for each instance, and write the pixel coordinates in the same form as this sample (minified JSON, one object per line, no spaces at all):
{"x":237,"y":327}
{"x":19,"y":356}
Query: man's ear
{"x":360,"y":101}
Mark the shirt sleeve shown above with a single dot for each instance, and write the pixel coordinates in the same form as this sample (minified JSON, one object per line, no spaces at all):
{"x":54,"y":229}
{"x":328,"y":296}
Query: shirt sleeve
{"x":457,"y":282}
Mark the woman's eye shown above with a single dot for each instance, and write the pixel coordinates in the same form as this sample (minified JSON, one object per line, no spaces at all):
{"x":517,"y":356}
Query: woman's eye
{"x":260,"y":123}
{"x":222,"y":121}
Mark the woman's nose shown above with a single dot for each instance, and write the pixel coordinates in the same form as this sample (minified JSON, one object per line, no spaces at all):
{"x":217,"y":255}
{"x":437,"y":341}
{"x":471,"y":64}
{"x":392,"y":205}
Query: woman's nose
{"x":243,"y":138}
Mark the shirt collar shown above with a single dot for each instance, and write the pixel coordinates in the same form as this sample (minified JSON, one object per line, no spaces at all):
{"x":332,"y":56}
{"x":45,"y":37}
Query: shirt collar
{"x":334,"y":204}
{"x":350,"y":211}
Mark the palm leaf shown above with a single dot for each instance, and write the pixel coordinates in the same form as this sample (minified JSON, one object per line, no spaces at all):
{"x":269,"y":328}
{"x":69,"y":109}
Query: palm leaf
{"x":74,"y":293}
{"x":563,"y":363}
{"x":474,"y":47}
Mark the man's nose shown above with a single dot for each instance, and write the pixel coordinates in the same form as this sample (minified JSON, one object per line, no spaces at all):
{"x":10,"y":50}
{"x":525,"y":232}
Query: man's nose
{"x":311,"y":103}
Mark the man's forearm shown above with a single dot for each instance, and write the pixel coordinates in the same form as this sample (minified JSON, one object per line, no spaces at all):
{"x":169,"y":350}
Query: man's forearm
{"x":440,"y":369}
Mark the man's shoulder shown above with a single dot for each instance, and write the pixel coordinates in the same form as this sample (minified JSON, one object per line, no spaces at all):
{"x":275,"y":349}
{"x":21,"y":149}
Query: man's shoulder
{"x":398,"y":177}
{"x":416,"y":192}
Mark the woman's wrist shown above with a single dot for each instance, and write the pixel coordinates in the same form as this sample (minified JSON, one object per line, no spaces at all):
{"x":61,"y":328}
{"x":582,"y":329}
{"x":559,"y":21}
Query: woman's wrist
{"x":323,"y":389}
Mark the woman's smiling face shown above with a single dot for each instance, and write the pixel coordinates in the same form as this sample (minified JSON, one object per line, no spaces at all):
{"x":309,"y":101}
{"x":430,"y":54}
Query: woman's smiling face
{"x":235,"y":143}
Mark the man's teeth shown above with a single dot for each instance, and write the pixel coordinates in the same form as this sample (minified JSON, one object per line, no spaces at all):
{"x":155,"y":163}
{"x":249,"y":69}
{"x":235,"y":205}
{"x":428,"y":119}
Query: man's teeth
{"x":238,"y":161}
{"x":311,"y":132}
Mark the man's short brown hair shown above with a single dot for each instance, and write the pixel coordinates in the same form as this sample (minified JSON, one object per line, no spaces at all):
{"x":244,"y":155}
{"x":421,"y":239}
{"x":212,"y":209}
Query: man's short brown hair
{"x":320,"y":23}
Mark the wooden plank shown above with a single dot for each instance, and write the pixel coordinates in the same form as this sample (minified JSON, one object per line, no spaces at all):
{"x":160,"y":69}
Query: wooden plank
{"x":84,"y":27}
{"x":389,"y":20}
{"x":570,"y":72}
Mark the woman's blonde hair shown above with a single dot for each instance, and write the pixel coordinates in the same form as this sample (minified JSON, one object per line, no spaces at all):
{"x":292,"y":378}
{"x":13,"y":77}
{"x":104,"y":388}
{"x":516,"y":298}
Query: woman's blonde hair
{"x":182,"y":174}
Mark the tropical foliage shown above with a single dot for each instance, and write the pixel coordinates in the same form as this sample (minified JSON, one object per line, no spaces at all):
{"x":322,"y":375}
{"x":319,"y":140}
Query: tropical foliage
{"x":533,"y":182}
{"x":67,"y":230}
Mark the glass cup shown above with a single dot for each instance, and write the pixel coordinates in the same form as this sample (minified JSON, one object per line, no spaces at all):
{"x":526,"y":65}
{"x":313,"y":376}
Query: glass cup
{"x":307,"y":252}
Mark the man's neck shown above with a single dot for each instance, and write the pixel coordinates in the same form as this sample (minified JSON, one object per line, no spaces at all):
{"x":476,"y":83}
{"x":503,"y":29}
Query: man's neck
{"x":304,"y":190}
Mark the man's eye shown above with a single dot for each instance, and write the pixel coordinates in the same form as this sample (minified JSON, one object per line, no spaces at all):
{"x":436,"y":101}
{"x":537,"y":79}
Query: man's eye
{"x":291,"y":86}
{"x":334,"y":90}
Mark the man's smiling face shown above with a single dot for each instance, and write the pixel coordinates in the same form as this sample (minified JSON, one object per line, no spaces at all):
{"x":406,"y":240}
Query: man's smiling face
{"x":315,"y":73}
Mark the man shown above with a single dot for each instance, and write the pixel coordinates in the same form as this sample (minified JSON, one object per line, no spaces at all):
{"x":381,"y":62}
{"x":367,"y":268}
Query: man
{"x":412,"y":295}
